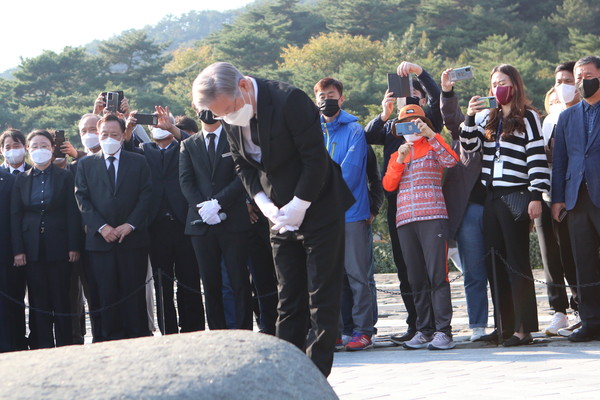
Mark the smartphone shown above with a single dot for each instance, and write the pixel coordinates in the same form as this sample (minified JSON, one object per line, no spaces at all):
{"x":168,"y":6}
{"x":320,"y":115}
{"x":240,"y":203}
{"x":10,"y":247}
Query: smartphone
{"x":489,"y":102}
{"x":112,"y":100}
{"x":406,"y":128}
{"x":59,"y":139}
{"x":146,"y":119}
{"x":460,"y":74}
{"x":562,"y":214}
{"x":401,"y":86}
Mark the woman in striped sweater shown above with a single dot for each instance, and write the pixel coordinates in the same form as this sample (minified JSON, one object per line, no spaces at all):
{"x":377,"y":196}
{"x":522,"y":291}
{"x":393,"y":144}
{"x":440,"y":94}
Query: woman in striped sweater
{"x":416,"y":170}
{"x":515,"y":173}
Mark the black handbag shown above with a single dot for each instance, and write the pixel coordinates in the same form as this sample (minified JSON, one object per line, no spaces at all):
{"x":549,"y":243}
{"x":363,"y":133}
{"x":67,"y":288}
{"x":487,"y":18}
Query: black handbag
{"x":518,"y":204}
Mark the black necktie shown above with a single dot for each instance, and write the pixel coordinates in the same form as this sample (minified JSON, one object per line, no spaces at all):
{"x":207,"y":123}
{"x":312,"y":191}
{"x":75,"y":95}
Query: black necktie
{"x":16,"y":172}
{"x":162,"y":158}
{"x":254,"y":131}
{"x":211,"y":148}
{"x":111,"y":172}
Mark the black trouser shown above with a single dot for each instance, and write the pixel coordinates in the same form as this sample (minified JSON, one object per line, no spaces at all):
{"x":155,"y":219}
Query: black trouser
{"x":216,"y":244}
{"x":48,"y":286}
{"x":408,"y":299}
{"x":557,"y":257}
{"x":16,"y":277}
{"x":262,"y":270}
{"x":171,"y":251}
{"x":76,"y":303}
{"x":118,"y":276}
{"x":584,"y":227}
{"x":516,"y":294}
{"x":310,"y":267}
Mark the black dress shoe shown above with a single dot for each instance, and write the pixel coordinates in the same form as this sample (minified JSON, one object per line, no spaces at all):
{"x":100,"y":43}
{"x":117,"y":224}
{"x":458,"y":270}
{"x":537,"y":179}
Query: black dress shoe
{"x":516,"y":341}
{"x":491,"y":337}
{"x":399,"y":339}
{"x":584,"y":334}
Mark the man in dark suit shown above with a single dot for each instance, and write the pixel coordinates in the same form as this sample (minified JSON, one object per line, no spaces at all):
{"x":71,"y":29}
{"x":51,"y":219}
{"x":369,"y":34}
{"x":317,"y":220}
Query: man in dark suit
{"x":115,"y":220}
{"x":171,"y":251}
{"x":13,"y":148}
{"x":576,"y":189}
{"x":7,"y":181}
{"x":277,"y":144}
{"x":213,"y":190}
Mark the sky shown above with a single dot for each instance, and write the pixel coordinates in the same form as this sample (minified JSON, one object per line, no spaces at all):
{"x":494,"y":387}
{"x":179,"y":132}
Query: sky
{"x":29,"y":28}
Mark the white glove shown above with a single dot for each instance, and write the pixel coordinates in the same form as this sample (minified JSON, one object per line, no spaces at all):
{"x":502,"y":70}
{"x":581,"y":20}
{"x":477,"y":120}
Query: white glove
{"x":215,"y":219}
{"x":292,"y":215}
{"x":208,"y":209}
{"x":267,"y":207}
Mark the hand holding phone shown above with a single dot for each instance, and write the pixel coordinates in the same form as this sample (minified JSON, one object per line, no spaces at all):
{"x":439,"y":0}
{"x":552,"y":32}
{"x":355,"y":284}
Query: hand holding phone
{"x":406,"y":128}
{"x":59,"y":139}
{"x":400,"y":86}
{"x":489,"y":102}
{"x":146,"y":119}
{"x":460,"y":74}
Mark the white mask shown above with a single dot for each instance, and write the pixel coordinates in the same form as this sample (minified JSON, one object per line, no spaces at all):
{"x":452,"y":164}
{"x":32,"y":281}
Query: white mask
{"x":242,"y":116}
{"x":15,"y":156}
{"x":90,"y":140}
{"x":412,"y":137}
{"x":159,"y":134}
{"x":565,"y":93}
{"x":40,"y":156}
{"x":110,"y":146}
{"x":556,"y":108}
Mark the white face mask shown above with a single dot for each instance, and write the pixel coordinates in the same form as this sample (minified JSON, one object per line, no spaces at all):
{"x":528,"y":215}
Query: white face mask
{"x":159,"y":134}
{"x":15,"y":156}
{"x":412,"y":137}
{"x":90,"y":140}
{"x":40,"y":156}
{"x":565,"y":93}
{"x":242,"y":116}
{"x":556,"y":108}
{"x":110,"y":146}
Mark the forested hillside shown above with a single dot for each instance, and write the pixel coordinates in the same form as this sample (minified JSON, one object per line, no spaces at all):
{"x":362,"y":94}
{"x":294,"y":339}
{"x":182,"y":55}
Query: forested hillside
{"x":357,"y":41}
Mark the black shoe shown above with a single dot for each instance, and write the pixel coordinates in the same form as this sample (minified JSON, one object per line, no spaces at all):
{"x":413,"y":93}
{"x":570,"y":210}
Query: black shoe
{"x":584,"y":335}
{"x":400,"y":339}
{"x":515,"y":341}
{"x":491,"y":337}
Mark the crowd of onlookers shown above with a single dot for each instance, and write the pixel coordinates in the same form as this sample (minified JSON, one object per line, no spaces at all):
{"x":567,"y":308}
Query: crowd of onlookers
{"x":176,"y":200}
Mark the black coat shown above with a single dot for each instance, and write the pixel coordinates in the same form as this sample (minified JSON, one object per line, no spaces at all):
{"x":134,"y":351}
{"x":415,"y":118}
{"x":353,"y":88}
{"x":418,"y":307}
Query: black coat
{"x":200,"y":182}
{"x":294,"y":159}
{"x":61,"y":218}
{"x":129,"y":203}
{"x":7,"y":181}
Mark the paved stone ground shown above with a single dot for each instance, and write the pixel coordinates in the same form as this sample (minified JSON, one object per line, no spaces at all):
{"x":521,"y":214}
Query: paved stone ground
{"x":550,"y":368}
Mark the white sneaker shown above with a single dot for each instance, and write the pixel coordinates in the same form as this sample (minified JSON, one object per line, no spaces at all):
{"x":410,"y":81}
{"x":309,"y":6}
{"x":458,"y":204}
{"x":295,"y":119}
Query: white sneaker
{"x":477,"y":333}
{"x":419,"y":341}
{"x":566,"y":332}
{"x":559,"y":321}
{"x":441,"y":341}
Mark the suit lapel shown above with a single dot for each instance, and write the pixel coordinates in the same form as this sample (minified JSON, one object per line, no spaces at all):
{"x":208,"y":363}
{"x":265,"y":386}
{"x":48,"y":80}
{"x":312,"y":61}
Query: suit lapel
{"x":595,"y":132}
{"x":123,"y":168}
{"x":264,"y":111}
{"x":102,"y":170}
{"x":221,"y":148}
{"x":200,"y":142}
{"x":27,"y":189}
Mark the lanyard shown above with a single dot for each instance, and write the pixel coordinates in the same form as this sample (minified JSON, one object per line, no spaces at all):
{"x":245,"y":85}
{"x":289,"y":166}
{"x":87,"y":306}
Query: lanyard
{"x":498,"y":134}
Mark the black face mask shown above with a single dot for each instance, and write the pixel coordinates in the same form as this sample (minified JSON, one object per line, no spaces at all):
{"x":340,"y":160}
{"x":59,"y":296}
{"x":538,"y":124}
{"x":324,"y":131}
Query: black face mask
{"x":588,"y":87}
{"x":412,"y":100}
{"x":328,"y":107}
{"x":207,"y":117}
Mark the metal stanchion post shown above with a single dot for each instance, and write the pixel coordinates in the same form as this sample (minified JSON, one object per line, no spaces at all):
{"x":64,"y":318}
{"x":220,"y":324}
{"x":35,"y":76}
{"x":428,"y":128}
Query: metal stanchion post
{"x":497,"y":310}
{"x":161,"y":303}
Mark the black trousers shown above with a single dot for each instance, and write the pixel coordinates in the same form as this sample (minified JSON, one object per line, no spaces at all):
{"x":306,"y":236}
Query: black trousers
{"x":262,"y":271}
{"x":557,"y":257}
{"x":409,"y":301}
{"x":16,"y":285}
{"x":171,"y":251}
{"x":231,"y":247}
{"x":584,"y":228}
{"x":310,"y":268}
{"x":48,"y":286}
{"x":113,"y":276}
{"x":516,"y":294}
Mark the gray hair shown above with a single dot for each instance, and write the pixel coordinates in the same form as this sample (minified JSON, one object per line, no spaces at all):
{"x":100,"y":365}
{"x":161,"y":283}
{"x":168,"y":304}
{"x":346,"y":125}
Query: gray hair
{"x":589,"y":60}
{"x":216,"y":79}
{"x":86,"y":116}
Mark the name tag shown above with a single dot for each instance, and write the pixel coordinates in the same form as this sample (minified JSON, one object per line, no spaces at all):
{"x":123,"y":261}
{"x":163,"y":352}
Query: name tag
{"x":226,"y":155}
{"x":498,"y":165}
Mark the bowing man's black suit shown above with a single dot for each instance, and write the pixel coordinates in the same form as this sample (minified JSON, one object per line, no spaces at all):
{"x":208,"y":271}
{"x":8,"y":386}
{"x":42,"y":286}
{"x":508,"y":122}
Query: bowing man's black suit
{"x":309,"y":262}
{"x":226,"y":240}
{"x":46,"y":232}
{"x":116,"y":270}
{"x":171,"y":250}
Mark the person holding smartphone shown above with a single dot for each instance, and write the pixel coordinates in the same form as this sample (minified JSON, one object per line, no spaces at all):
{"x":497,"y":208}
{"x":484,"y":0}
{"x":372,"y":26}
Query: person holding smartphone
{"x":515,"y":174}
{"x":415,"y":171}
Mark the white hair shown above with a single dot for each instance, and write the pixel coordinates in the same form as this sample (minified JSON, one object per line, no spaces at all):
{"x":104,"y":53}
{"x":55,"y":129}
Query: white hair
{"x":86,"y":116}
{"x":216,"y":79}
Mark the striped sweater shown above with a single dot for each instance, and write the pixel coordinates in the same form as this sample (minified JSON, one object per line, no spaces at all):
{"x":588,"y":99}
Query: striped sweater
{"x":522,"y":155}
{"x":419,"y":181}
